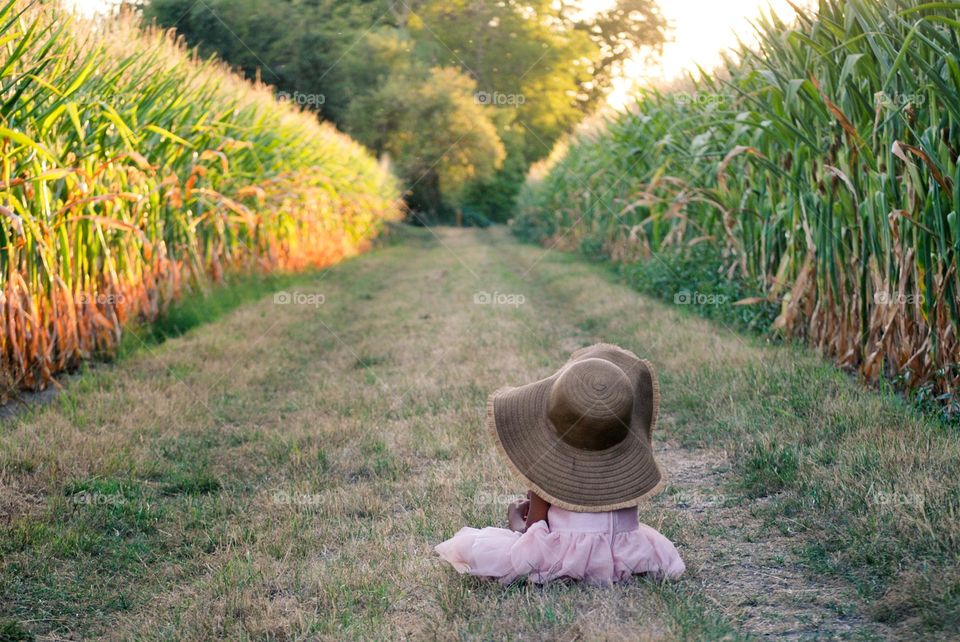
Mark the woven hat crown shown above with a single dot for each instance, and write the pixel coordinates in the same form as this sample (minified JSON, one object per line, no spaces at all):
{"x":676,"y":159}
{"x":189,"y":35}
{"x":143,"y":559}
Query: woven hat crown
{"x":590,"y":404}
{"x":582,"y":437}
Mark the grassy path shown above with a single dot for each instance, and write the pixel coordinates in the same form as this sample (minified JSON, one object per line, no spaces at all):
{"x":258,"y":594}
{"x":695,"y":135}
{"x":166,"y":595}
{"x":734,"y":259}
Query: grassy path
{"x":283,"y":473}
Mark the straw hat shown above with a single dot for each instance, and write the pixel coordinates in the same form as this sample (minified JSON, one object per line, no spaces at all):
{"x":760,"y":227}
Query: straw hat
{"x":581,"y":438}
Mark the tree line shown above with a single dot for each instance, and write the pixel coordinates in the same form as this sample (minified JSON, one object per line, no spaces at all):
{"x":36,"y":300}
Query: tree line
{"x":460,"y":95}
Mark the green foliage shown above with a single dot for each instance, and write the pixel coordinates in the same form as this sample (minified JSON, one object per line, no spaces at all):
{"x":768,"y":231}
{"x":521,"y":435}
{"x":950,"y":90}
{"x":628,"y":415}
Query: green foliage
{"x":433,"y":116}
{"x":524,"y":65}
{"x":190,"y":483}
{"x":307,"y":47}
{"x":13,"y":631}
{"x":537,"y":68}
{"x":699,"y":270}
{"x":494,"y":199}
{"x":203,"y":307}
{"x":822,"y":166}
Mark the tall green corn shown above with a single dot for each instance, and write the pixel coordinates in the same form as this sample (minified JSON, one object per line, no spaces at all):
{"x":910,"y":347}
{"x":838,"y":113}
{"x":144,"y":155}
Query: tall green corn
{"x":824,"y":162}
{"x":129,"y":168}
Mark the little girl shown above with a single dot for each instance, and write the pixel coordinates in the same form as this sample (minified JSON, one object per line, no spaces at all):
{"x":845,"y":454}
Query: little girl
{"x":581,"y":441}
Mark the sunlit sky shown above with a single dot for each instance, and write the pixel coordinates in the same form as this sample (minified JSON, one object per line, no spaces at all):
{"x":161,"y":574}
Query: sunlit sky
{"x":700,"y":30}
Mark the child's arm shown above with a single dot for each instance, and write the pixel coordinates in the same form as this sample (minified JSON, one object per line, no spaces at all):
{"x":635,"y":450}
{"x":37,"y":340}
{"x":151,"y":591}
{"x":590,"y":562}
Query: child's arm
{"x":538,"y":509}
{"x":522,"y":514}
{"x":517,"y":515}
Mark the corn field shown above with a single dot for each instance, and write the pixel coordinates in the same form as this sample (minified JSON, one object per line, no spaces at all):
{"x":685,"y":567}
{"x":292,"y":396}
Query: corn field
{"x":823,"y":162}
{"x":131,"y":170}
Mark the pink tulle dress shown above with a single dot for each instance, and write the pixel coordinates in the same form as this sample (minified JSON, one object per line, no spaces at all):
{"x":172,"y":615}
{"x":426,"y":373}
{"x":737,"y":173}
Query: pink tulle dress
{"x":598,"y":548}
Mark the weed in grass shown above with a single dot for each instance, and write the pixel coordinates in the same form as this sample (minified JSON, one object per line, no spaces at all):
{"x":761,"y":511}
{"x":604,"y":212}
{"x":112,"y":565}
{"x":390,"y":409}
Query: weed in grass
{"x":768,"y":469}
{"x":369,"y":361}
{"x":190,"y":483}
{"x":13,"y":631}
{"x":589,"y":325}
{"x":378,"y":462}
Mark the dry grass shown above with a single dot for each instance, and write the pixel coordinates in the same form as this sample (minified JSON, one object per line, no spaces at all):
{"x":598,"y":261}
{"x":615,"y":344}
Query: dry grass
{"x":284,"y":473}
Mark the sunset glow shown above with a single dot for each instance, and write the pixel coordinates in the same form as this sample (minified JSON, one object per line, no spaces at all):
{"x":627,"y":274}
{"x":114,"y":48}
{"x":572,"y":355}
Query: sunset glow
{"x":699,"y":31}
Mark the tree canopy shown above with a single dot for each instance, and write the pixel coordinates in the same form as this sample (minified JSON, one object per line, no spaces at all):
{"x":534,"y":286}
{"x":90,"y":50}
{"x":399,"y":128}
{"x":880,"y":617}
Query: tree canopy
{"x":463,"y":95}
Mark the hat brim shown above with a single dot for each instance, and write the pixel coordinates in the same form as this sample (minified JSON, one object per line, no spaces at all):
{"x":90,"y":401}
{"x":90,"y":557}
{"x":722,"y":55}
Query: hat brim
{"x":572,"y":478}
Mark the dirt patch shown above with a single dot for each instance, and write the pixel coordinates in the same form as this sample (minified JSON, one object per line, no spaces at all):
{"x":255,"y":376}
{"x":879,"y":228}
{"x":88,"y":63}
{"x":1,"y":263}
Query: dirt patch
{"x":26,"y":400}
{"x":748,"y":569}
{"x":14,"y":504}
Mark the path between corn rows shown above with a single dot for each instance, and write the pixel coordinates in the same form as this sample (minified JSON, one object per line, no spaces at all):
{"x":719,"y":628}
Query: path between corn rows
{"x":347,"y":440}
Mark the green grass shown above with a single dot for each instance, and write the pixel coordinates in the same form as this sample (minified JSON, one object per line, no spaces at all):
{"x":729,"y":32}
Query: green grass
{"x":272,"y":488}
{"x":769,"y":469}
{"x":311,"y":462}
{"x":13,"y":631}
{"x":201,"y":308}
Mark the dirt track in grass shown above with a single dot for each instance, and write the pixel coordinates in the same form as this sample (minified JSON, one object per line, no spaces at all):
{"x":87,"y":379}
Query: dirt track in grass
{"x":283,"y":473}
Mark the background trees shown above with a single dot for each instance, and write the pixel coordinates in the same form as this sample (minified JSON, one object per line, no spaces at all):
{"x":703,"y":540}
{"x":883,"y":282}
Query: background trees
{"x":462,"y":94}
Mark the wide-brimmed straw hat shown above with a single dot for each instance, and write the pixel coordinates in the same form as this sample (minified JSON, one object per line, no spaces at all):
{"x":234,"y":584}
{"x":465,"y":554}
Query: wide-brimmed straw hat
{"x":581,"y":438}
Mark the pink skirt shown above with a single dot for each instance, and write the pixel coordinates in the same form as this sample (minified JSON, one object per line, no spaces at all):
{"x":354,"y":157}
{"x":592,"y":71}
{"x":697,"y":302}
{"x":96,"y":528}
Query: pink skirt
{"x":598,"y":548}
